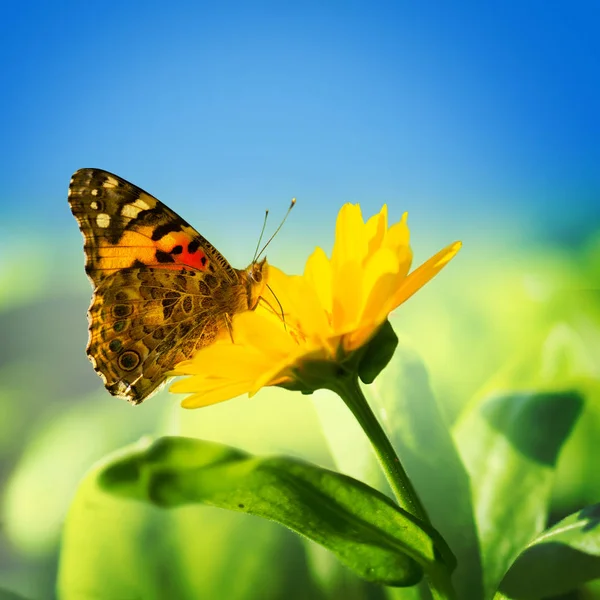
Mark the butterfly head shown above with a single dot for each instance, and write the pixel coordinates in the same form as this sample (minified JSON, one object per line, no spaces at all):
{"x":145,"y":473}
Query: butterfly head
{"x":256,"y":281}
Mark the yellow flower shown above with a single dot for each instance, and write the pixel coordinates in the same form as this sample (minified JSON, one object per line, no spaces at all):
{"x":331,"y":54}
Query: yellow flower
{"x":329,"y":312}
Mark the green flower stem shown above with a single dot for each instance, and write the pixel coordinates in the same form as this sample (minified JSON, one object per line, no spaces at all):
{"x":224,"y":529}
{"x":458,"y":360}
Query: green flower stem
{"x":349,"y":390}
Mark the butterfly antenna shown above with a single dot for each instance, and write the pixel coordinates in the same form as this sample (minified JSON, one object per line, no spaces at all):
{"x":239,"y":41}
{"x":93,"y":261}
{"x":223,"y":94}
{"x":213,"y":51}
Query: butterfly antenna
{"x":260,"y":237}
{"x":292,"y":204}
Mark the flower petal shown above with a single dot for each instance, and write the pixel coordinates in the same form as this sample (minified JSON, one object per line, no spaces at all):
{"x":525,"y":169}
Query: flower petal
{"x":376,"y":229}
{"x":348,"y":295}
{"x":427,"y":271}
{"x":218,"y":360}
{"x":275,"y":373}
{"x":384,"y":280}
{"x":216,"y":395}
{"x":318,"y":274}
{"x":261,"y":330}
{"x":398,"y":234}
{"x":350,"y":238}
{"x":304,"y":314}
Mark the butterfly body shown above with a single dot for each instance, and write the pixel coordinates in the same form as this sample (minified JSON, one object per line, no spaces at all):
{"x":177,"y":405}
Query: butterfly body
{"x":161,"y":290}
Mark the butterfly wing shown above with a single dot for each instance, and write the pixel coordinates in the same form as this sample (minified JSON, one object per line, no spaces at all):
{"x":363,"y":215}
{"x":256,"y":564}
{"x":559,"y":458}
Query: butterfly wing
{"x":124,"y":226}
{"x":161,"y":290}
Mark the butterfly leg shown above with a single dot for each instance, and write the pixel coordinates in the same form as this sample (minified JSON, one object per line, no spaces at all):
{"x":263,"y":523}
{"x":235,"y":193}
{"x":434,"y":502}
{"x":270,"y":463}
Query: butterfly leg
{"x":279,"y":312}
{"x":229,"y":323}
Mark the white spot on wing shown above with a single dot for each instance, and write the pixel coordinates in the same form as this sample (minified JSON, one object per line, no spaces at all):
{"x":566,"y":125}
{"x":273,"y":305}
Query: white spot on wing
{"x":141,"y":204}
{"x":94,"y":205}
{"x":94,"y":192}
{"x":103,"y":220}
{"x":130,"y":210}
{"x":110,"y":182}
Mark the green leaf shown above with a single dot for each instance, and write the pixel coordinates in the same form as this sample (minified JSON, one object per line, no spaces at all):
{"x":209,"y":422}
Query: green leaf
{"x":404,"y":402}
{"x":335,"y":581}
{"x":377,"y":353}
{"x":510,"y":444}
{"x":363,"y":528}
{"x":114,"y":548}
{"x":417,"y":592}
{"x":7,"y":595}
{"x":561,"y":559}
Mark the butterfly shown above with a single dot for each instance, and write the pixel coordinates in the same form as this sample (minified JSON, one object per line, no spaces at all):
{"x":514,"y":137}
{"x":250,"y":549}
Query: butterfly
{"x":161,"y":290}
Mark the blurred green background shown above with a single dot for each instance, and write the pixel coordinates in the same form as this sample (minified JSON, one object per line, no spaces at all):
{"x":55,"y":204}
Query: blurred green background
{"x":482,"y":122}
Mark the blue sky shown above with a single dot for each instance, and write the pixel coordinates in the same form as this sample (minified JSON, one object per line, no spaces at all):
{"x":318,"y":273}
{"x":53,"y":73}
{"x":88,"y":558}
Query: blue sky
{"x":472,"y":116}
